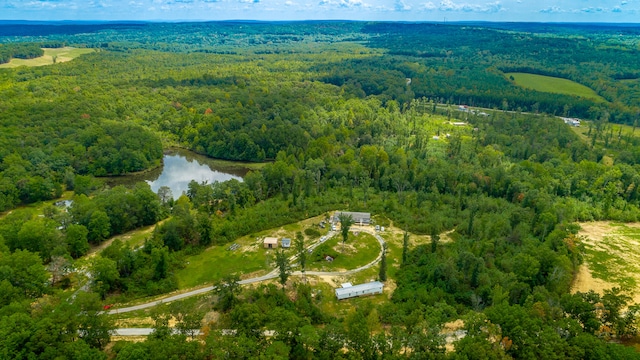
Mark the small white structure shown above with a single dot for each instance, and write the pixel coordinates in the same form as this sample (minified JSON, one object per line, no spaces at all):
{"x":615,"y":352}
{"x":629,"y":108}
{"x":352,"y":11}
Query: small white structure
{"x":285,"y":243}
{"x":348,"y":291}
{"x":571,"y":121}
{"x":270,"y":242}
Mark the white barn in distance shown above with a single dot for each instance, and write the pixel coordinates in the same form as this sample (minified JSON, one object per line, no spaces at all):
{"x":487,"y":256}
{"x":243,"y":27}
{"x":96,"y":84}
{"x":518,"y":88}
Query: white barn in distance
{"x":349,"y":291}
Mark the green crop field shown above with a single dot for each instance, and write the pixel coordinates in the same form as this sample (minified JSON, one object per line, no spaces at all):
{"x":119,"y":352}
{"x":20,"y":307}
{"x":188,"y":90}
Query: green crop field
{"x":62,"y":55}
{"x":553,"y":85}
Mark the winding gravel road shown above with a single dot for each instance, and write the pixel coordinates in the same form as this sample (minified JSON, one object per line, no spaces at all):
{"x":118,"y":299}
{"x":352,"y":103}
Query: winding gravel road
{"x":273,"y":274}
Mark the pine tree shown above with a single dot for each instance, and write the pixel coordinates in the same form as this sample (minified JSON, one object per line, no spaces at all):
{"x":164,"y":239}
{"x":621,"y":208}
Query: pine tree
{"x":383,"y":264}
{"x":284,"y":267}
{"x":405,"y":247}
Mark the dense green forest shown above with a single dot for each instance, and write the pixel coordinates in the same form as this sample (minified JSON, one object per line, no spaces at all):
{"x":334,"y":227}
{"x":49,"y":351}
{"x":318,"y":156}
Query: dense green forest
{"x":330,"y":108}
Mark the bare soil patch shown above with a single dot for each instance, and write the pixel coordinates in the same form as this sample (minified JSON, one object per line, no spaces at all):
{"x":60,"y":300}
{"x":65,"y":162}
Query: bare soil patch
{"x":611,"y":258}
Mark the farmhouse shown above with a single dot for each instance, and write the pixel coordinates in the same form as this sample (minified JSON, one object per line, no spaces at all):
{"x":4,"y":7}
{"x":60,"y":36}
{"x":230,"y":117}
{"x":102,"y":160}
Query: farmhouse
{"x":285,"y":243}
{"x":359,"y":217}
{"x":348,"y":291}
{"x":270,"y":243}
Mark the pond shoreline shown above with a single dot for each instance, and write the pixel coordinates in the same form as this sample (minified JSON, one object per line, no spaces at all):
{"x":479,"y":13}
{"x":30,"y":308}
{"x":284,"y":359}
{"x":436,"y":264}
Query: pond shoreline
{"x":181,"y":166}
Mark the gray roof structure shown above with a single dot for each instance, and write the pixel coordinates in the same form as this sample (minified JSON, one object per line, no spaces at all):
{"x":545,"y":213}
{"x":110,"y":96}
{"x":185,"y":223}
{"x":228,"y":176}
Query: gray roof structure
{"x":358,"y":217}
{"x":285,"y":243}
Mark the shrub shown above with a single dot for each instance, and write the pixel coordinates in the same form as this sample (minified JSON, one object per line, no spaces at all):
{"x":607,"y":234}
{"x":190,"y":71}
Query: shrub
{"x":312,"y":233}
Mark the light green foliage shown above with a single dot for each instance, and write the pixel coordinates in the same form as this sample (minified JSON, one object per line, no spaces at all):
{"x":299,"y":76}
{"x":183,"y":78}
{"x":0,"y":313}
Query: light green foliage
{"x":553,"y":85}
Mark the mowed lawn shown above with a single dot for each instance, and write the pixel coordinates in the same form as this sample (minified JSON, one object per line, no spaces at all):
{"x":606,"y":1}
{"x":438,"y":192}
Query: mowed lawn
{"x":62,"y":55}
{"x":216,"y":262}
{"x":359,"y":250}
{"x":553,"y":85}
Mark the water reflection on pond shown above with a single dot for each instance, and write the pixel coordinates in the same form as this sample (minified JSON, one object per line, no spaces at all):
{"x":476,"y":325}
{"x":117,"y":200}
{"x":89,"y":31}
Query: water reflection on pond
{"x":182,"y":166}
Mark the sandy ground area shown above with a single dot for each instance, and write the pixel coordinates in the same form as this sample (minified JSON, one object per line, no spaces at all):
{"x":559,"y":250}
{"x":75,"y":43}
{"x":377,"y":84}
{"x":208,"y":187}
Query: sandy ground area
{"x":614,"y":247}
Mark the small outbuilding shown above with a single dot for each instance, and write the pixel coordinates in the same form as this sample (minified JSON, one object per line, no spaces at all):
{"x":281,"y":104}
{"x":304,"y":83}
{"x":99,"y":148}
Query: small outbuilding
{"x":285,"y":243}
{"x":349,"y":291}
{"x":360,"y":218}
{"x":270,"y":242}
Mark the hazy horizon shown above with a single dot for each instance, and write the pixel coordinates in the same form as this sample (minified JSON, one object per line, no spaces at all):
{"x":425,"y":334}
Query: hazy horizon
{"x":568,"y":11}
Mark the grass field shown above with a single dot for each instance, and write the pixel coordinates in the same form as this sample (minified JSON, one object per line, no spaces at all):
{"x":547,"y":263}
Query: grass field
{"x":37,"y":208}
{"x":62,"y":55}
{"x":216,"y":262}
{"x":553,"y":85}
{"x":249,"y":260}
{"x":359,"y":250}
{"x":611,"y":258}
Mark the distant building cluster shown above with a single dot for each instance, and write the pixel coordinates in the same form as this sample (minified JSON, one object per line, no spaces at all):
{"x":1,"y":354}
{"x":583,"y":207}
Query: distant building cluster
{"x":465,"y":108}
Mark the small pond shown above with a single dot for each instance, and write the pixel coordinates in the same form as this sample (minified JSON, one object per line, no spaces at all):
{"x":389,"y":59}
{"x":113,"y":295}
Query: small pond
{"x":180,"y":167}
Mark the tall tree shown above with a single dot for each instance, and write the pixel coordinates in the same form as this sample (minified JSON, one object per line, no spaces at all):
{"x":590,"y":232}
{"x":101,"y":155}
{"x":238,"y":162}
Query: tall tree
{"x":95,"y":326}
{"x":435,"y":239}
{"x":284,"y":267}
{"x":165,"y":194}
{"x":227,"y":291}
{"x":405,"y":247}
{"x":301,"y":251}
{"x":76,"y":238}
{"x":105,"y":275}
{"x":382,"y":275}
{"x":345,"y":224}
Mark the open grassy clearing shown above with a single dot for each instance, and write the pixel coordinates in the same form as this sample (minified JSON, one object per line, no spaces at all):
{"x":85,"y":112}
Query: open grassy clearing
{"x":553,"y":85}
{"x":62,"y":55}
{"x":38,"y":207}
{"x":611,"y":258}
{"x":322,"y":286}
{"x":249,"y":260}
{"x":133,"y":238}
{"x":216,"y":262}
{"x":613,"y":129}
{"x":360,"y":249}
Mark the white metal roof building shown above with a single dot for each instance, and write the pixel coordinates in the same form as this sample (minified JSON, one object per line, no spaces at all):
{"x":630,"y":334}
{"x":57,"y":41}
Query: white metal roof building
{"x":348,"y":291}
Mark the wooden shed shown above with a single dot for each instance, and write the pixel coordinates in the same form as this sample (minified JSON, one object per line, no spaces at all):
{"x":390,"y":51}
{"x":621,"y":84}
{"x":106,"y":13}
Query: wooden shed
{"x":270,"y":242}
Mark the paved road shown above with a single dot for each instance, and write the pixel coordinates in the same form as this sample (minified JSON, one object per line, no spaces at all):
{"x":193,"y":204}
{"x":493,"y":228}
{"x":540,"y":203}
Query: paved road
{"x":143,"y":331}
{"x":272,"y":275}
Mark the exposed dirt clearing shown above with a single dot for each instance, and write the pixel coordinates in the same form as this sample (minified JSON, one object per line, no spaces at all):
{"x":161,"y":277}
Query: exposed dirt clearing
{"x":585,"y":282}
{"x":611,"y":257}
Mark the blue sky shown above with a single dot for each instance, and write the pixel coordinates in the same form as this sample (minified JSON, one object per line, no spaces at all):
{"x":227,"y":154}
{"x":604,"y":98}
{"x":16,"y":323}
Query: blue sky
{"x":410,"y":10}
